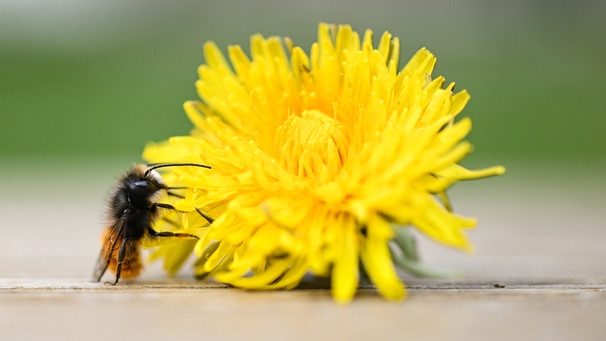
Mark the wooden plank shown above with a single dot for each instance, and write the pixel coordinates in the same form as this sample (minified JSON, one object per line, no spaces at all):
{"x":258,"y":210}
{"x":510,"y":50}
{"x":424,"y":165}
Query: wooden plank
{"x":544,"y":244}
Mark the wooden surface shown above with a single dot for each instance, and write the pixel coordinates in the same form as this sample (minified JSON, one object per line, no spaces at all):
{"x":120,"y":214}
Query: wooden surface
{"x":538,"y":273}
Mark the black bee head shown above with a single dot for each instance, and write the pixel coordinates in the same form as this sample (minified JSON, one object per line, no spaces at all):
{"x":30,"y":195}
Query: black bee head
{"x":143,"y":185}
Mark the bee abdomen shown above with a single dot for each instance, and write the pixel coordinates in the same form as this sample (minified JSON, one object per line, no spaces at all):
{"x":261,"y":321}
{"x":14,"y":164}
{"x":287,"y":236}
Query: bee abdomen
{"x":131,"y":265}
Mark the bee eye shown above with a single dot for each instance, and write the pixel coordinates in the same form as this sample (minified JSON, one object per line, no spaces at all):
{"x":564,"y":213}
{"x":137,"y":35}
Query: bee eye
{"x":144,"y":185}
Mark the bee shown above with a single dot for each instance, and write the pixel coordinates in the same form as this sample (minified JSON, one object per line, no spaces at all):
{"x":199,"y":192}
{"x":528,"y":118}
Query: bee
{"x":132,"y":212}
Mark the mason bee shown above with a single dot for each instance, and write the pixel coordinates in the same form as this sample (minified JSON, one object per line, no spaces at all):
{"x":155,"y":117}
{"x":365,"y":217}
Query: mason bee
{"x":132,"y":212}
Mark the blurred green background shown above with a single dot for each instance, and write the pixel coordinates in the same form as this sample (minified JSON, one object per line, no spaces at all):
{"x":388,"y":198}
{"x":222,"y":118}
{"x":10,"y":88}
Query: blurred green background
{"x":87,"y":81}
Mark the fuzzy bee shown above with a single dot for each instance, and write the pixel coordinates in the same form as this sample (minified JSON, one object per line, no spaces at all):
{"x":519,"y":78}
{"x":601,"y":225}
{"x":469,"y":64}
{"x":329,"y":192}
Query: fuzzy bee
{"x":132,"y":212}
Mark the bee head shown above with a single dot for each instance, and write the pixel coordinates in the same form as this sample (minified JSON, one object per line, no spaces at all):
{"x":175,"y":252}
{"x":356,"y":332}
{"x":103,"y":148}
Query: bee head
{"x":145,"y":181}
{"x":144,"y":184}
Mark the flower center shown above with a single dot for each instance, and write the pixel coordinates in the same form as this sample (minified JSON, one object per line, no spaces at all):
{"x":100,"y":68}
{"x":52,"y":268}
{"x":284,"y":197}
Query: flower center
{"x":312,"y":145}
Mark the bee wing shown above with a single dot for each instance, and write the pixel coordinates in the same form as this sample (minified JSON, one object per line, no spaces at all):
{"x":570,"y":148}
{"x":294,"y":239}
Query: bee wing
{"x":101,"y":265}
{"x":109,"y":241}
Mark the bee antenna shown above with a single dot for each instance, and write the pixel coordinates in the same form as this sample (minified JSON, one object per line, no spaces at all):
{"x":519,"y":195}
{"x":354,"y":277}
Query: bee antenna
{"x":152,"y":166}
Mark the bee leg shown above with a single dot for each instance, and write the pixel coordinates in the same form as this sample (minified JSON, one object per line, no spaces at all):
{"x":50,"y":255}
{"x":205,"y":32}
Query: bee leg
{"x":121,"y":256}
{"x":209,"y":219}
{"x":162,"y":205}
{"x":154,"y":233}
{"x":171,"y":207}
{"x":102,"y":265}
{"x":173,"y":194}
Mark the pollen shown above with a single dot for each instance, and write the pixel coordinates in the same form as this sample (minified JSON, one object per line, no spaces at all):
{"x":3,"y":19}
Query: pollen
{"x":313,"y":146}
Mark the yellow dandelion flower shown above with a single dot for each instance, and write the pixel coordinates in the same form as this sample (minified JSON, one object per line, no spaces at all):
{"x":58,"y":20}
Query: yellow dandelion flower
{"x":320,"y":162}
